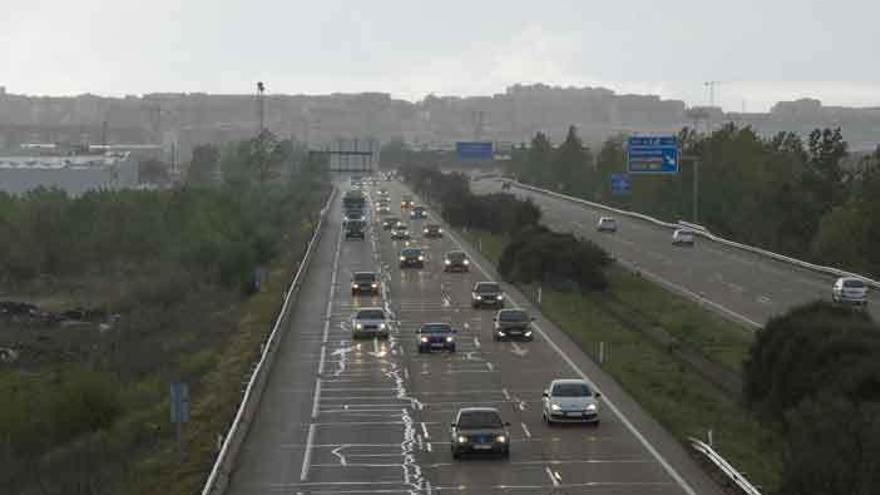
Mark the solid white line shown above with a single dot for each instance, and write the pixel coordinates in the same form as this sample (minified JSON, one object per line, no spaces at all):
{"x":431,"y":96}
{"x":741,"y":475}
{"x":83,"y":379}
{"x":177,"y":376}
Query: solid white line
{"x":477,"y":342}
{"x":617,"y":412}
{"x":316,"y":399}
{"x":551,"y":476}
{"x":425,"y":431}
{"x":506,"y":394}
{"x":321,"y":361}
{"x":307,"y":455}
{"x":526,"y":430}
{"x":488,"y":365}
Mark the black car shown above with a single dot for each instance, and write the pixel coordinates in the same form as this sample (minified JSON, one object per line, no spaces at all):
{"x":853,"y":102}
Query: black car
{"x":432,"y":231}
{"x":355,"y":229}
{"x":418,"y":212}
{"x":456,"y":261}
{"x":487,"y":294}
{"x":480,"y":430}
{"x":436,"y":337}
{"x":412,"y":258}
{"x":365,"y":283}
{"x":390,"y":222}
{"x":513,"y":324}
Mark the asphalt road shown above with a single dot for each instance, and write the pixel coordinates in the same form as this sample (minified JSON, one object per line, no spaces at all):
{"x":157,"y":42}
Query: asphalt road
{"x":372,"y":417}
{"x":744,"y":286}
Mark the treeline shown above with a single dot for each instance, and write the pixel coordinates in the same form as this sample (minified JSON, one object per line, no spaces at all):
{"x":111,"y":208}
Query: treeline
{"x":805,"y":198}
{"x":535,"y":254}
{"x":815,"y":373}
{"x":84,"y":407}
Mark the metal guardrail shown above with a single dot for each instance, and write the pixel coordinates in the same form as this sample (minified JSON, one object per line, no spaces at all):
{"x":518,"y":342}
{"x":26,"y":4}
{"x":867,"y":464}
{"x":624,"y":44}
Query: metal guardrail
{"x":715,"y":458}
{"x":702,"y":231}
{"x":219,"y":476}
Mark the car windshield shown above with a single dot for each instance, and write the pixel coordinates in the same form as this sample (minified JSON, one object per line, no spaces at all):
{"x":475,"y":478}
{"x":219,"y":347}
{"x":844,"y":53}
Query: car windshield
{"x":400,"y":227}
{"x":571,"y":390}
{"x":364,"y":277}
{"x":411,"y":252}
{"x":433,"y":227}
{"x":436,"y":328}
{"x":370,"y":314}
{"x":455,"y":256}
{"x":472,"y":420}
{"x":513,"y":316}
{"x":487,"y":288}
{"x":853,"y":284}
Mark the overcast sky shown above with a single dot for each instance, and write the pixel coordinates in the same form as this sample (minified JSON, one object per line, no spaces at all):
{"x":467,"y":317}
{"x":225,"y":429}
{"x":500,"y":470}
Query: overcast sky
{"x":761,"y":50}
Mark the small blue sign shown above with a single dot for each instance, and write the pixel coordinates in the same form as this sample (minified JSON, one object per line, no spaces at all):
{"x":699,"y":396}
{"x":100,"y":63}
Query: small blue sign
{"x":179,"y":402}
{"x":652,"y":155}
{"x":620,"y":184}
{"x":474,"y":150}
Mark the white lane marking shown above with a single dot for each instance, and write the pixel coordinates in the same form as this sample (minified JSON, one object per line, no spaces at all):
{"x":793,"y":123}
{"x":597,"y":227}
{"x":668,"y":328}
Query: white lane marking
{"x":506,"y":394}
{"x":316,"y":399}
{"x":617,"y":412}
{"x":519,"y":351}
{"x":526,"y":430}
{"x":338,"y":453}
{"x":321,"y":361}
{"x":307,"y":455}
{"x":489,"y":365}
{"x":425,"y":431}
{"x":476,"y":341}
{"x":551,"y":475}
{"x":429,"y":447}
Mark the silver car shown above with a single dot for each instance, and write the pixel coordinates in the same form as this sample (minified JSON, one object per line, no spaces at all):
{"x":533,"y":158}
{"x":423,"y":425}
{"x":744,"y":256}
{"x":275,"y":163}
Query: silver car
{"x":570,"y":401}
{"x":370,"y":322}
{"x":850,"y":290}
{"x":606,"y":224}
{"x":683,"y":237}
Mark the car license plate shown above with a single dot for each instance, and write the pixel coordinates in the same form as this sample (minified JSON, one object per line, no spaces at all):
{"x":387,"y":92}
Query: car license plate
{"x":573,"y":414}
{"x":482,"y":447}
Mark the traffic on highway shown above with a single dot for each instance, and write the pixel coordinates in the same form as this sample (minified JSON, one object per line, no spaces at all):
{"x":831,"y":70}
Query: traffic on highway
{"x":425,"y":374}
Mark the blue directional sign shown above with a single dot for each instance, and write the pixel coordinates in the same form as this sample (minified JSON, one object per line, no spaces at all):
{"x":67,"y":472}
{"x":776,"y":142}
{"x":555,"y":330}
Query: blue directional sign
{"x":474,"y":150}
{"x":652,"y":155}
{"x":620,"y":184}
{"x":179,"y":402}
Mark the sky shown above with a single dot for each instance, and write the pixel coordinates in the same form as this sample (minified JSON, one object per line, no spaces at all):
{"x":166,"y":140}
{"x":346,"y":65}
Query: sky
{"x":759,"y":51}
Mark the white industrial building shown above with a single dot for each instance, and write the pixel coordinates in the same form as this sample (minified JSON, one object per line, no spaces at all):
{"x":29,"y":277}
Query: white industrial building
{"x":75,"y":174}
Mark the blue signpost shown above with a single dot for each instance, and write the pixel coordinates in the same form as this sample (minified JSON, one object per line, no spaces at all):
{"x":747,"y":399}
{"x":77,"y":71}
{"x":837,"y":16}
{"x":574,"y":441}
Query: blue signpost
{"x":179,"y":409}
{"x":474,"y":150}
{"x":620,"y":184}
{"x":652,"y":155}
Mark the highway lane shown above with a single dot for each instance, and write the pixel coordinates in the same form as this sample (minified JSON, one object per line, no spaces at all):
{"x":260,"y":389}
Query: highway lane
{"x":372,"y":416}
{"x":749,"y":287}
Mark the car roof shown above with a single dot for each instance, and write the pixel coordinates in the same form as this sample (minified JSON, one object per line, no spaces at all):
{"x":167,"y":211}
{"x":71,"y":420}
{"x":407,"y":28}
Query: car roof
{"x":436,"y":324}
{"x":456,"y":252}
{"x":410,"y":249}
{"x":478,"y":409}
{"x":363,"y":274}
{"x":372,"y":308}
{"x":566,"y":381}
{"x":486,"y":282}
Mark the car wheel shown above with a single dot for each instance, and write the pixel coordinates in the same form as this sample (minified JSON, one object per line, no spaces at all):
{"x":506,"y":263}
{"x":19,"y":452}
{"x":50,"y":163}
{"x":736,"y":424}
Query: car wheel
{"x":505,"y":454}
{"x":452,"y":348}
{"x":456,"y":455}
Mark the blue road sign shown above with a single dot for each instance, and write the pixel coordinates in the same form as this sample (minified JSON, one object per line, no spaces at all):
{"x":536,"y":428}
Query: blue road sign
{"x":652,"y":155}
{"x":179,"y":403}
{"x":474,"y":150}
{"x":620,"y":184}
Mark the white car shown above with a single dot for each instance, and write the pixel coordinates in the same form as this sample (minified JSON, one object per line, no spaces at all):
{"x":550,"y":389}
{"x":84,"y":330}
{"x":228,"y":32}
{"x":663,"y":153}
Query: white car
{"x":570,"y":401}
{"x":683,"y":236}
{"x":850,"y":290}
{"x":607,"y":224}
{"x":370,"y":322}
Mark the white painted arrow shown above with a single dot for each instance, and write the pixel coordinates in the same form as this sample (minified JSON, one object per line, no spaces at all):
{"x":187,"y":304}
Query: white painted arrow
{"x":519,"y":351}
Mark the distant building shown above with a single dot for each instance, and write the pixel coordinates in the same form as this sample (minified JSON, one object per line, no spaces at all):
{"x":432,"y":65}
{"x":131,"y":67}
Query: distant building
{"x":73,"y":174}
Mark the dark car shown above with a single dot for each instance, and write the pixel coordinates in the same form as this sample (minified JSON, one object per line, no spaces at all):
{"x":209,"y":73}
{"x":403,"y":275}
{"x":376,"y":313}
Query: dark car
{"x":480,"y":430}
{"x":355,"y":229}
{"x":412,"y":257}
{"x":436,"y":337}
{"x":390,"y":222}
{"x":513,"y":324}
{"x":365,"y":283}
{"x":432,"y":231}
{"x":456,"y":261}
{"x":418,"y":212}
{"x":406,"y":202}
{"x":487,"y":294}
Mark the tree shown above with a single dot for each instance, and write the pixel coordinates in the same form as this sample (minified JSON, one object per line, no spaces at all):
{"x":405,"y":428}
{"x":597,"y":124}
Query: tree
{"x":204,"y":167}
{"x":152,"y":171}
{"x":572,"y":165}
{"x":825,"y":177}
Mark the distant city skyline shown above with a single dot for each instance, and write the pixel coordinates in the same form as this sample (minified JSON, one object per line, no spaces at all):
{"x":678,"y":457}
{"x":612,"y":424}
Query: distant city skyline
{"x":760,"y":52}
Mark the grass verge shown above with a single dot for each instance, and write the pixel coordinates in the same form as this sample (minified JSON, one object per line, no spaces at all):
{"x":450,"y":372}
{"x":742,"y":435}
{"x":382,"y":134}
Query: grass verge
{"x":682,"y":399}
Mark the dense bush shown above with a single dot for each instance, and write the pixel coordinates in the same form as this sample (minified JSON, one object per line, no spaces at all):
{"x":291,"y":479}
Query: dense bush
{"x":538,"y":255}
{"x":815,"y":372}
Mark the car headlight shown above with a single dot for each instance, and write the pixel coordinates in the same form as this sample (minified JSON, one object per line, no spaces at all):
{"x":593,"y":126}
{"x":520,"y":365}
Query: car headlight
{"x":449,"y":339}
{"x":424,"y":340}
{"x":447,"y":262}
{"x":501,"y":333}
{"x":425,"y":231}
{"x":500,"y":297}
{"x":403,"y":258}
{"x":421,"y":258}
{"x":501,"y":439}
{"x":466,"y":262}
{"x":381,"y":326}
{"x":354,"y":286}
{"x":528,"y":333}
{"x":439,"y":231}
{"x":375,"y":286}
{"x":359,"y":326}
{"x":474,"y":295}
{"x":462,"y":439}
{"x":591,"y":407}
{"x":555,"y":407}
